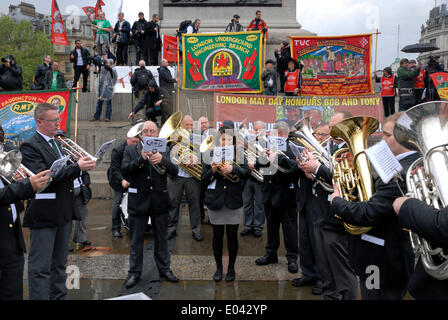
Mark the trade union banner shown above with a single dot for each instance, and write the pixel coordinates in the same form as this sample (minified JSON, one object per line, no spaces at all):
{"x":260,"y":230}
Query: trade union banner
{"x":17,"y":112}
{"x":440,"y":80}
{"x":334,"y":66}
{"x":271,"y":109}
{"x":229,"y":62}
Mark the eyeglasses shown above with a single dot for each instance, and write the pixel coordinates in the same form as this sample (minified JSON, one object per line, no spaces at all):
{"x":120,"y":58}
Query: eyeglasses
{"x":52,"y":121}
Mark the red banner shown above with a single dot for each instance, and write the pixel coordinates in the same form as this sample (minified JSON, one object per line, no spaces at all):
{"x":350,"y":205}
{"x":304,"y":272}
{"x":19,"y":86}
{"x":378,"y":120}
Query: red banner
{"x":58,"y":35}
{"x":440,"y":80}
{"x":334,"y":66}
{"x":169,"y":51}
{"x":99,"y":4}
{"x":88,"y":10}
{"x":271,"y":109}
{"x":17,"y":112}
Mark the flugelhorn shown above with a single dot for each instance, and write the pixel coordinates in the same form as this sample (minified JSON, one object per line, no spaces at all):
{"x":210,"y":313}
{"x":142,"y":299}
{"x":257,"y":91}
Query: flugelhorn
{"x":354,"y":180}
{"x":73,"y":150}
{"x":424,"y":128}
{"x":136,"y":132}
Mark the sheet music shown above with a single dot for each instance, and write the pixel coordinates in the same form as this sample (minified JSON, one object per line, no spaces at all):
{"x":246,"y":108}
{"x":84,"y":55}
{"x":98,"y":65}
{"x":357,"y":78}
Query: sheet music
{"x":104,"y":148}
{"x":296,"y":150}
{"x":57,"y":166}
{"x":384,"y":161}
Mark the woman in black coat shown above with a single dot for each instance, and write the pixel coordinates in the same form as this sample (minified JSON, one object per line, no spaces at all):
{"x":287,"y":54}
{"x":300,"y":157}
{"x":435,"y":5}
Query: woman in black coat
{"x":224,"y":201}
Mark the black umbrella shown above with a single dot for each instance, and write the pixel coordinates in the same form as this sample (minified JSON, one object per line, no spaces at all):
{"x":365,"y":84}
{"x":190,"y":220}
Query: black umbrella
{"x":420,"y":47}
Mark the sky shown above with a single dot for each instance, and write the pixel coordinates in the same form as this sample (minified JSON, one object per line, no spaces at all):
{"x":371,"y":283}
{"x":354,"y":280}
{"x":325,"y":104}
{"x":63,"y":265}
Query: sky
{"x":324,"y":17}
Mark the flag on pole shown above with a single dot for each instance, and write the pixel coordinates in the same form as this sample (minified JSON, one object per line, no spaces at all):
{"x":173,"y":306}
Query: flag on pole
{"x":89,"y":10}
{"x":98,"y":6}
{"x":169,"y":45}
{"x":58,"y":35}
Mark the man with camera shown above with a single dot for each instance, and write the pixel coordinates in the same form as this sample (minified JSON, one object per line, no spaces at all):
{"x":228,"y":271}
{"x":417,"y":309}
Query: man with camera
{"x":10,"y":75}
{"x":106,"y":83}
{"x":80,"y":57}
{"x":138,"y":33}
{"x":121,"y":39}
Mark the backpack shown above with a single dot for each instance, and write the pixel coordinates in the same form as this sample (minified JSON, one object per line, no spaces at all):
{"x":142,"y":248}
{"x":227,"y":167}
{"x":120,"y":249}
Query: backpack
{"x":184,"y":25}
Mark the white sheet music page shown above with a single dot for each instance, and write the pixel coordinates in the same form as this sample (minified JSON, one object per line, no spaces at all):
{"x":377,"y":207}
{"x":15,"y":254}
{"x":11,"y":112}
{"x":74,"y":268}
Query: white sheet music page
{"x":384,"y":161}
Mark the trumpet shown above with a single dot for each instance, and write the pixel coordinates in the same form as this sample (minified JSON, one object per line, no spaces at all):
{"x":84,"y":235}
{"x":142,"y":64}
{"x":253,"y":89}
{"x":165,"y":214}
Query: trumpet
{"x":73,"y":150}
{"x":208,"y":144}
{"x":136,"y":131}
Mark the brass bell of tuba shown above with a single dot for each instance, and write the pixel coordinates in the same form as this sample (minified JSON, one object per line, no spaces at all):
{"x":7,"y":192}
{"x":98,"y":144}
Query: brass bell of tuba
{"x":424,"y":128}
{"x":354,"y":180}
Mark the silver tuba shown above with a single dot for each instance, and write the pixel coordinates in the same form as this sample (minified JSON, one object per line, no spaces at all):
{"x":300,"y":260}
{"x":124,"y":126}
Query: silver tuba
{"x":424,"y":128}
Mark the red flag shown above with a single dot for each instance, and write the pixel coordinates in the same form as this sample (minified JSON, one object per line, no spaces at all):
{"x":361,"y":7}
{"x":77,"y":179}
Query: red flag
{"x":169,"y":48}
{"x":99,"y":4}
{"x":440,"y":80}
{"x":58,"y":35}
{"x":89,"y":10}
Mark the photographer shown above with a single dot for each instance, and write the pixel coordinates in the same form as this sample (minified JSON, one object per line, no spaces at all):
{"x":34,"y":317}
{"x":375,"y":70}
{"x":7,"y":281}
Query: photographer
{"x":107,"y":78}
{"x":10,"y":75}
{"x":121,"y":38}
{"x":80,"y":57}
{"x":140,"y":80}
{"x":139,"y":35}
{"x":258,"y":24}
{"x":432,"y":67}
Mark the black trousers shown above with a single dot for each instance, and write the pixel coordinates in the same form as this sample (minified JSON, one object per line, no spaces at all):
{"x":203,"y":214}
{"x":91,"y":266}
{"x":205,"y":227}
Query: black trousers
{"x":139,"y":50}
{"x":11,"y":278}
{"x":287,"y":217}
{"x":282,"y":80}
{"x":137,"y":227}
{"x":154,"y":57}
{"x":307,"y":246}
{"x":388,"y":106}
{"x":122,"y":54}
{"x":418,"y":95}
{"x":85,"y":75}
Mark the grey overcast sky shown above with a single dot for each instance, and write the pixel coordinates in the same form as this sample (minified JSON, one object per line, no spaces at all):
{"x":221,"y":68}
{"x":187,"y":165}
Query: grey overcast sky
{"x":324,"y":17}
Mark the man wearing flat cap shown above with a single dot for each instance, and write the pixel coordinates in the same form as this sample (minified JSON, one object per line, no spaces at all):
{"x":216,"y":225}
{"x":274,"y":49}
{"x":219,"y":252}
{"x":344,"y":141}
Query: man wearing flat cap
{"x":234,"y":25}
{"x":269,"y":78}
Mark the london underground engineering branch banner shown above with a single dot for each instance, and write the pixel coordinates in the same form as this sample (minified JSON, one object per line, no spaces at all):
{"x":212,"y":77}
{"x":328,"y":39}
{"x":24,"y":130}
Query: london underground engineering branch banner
{"x":229,"y":62}
{"x":334,"y":66}
{"x":17,"y":112}
{"x":271,"y":109}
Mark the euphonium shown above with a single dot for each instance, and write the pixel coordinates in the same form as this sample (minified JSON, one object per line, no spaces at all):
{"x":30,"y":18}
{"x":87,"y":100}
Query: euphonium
{"x":354,"y":180}
{"x":250,"y":155}
{"x":174,"y":133}
{"x":424,"y":128}
{"x":136,"y":132}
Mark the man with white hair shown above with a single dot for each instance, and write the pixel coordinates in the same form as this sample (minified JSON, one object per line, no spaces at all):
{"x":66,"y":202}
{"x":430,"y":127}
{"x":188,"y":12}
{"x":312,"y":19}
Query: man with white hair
{"x":140,"y":80}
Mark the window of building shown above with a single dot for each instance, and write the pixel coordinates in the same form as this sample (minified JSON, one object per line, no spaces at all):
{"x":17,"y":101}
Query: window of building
{"x":87,"y":30}
{"x":433,"y":41}
{"x":47,"y":29}
{"x":68,"y":67}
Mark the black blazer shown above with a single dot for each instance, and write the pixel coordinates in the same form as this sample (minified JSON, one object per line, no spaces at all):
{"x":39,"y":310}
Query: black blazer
{"x":145,"y":191}
{"x":395,"y":259}
{"x":37,"y":155}
{"x":114,"y":174}
{"x":280,"y":188}
{"x":226,"y":192}
{"x":151,"y":42}
{"x":11,"y":237}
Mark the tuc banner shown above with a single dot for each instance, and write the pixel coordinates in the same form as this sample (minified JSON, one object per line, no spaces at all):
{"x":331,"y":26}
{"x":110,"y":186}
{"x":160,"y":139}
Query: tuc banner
{"x":334,"y":66}
{"x":17,"y":112}
{"x":271,"y":109}
{"x":222,"y":61}
{"x":440,"y":79}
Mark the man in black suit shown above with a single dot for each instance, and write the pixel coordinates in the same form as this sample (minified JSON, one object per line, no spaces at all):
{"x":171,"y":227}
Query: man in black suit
{"x":432,"y":225}
{"x":279,"y":196}
{"x":12,"y":245}
{"x":49,"y":215}
{"x":118,"y":182}
{"x":153,"y":41}
{"x":80,"y":57}
{"x":386,"y":247}
{"x":148,"y":196}
{"x":331,"y":240}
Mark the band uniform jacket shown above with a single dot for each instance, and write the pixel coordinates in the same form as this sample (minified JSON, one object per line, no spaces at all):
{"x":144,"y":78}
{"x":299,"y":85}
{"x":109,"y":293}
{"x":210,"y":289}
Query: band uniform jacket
{"x":114,"y":174}
{"x":37,"y":155}
{"x":432,"y":225}
{"x":279,"y":188}
{"x":394,"y":257}
{"x":147,"y":186}
{"x":226,"y":192}
{"x":11,"y":236}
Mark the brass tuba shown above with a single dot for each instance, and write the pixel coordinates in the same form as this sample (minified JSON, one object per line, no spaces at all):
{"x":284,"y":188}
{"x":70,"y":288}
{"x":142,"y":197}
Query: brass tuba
{"x":424,"y":128}
{"x":174,"y":133}
{"x":354,"y":180}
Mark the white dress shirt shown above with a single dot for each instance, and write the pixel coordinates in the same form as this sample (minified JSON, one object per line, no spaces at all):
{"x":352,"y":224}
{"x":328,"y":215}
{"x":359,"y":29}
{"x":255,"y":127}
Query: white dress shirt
{"x":13,"y":207}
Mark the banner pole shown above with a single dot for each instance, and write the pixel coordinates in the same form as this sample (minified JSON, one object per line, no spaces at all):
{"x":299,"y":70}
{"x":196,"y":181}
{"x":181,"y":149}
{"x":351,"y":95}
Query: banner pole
{"x":265,"y":48}
{"x":376,"y":48}
{"x":178,"y":75}
{"x":76,"y":113}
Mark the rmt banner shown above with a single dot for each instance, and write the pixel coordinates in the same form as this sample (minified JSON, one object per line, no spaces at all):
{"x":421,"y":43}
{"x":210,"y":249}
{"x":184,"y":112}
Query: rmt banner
{"x":228,"y":62}
{"x":334,"y":66}
{"x":17,"y":112}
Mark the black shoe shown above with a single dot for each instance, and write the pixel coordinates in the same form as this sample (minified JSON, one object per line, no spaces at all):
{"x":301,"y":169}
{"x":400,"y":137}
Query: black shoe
{"x":292,"y":267}
{"x":218,"y":275}
{"x":169,"y":276}
{"x":302,"y":282}
{"x":317,"y":288}
{"x":230,"y":276}
{"x":265,"y":260}
{"x":131,"y":281}
{"x":246,"y":232}
{"x":257,"y":233}
{"x":197,"y":237}
{"x":117,"y":234}
{"x":86,"y":243}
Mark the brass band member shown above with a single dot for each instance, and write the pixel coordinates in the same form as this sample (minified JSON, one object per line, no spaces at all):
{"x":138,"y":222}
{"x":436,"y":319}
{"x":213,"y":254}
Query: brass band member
{"x":332,"y":241}
{"x":386,"y":246}
{"x":147,"y":196}
{"x":49,"y":215}
{"x":225,"y":204}
{"x":432,"y":225}
{"x":279,"y":197}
